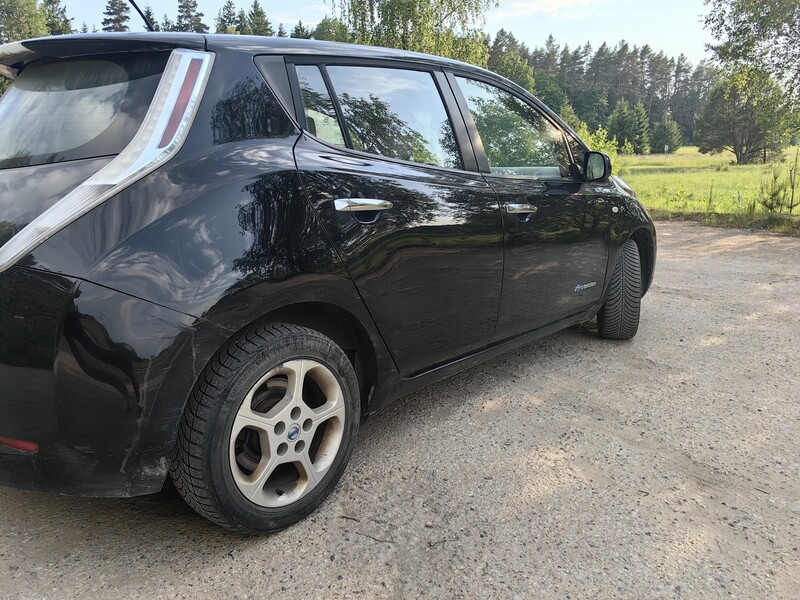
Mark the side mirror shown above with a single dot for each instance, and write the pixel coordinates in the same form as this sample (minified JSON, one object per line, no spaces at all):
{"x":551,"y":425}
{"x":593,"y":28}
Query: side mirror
{"x":596,"y":166}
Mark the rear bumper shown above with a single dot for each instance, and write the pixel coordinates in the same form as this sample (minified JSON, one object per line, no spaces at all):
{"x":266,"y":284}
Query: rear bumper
{"x":86,"y":374}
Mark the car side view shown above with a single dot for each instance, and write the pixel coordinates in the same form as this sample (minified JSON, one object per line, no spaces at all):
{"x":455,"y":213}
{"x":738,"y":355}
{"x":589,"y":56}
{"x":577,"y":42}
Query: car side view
{"x":219,"y":253}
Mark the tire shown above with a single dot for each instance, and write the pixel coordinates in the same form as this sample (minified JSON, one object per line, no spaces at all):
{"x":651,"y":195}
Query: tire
{"x":248,"y":399}
{"x":618,"y":318}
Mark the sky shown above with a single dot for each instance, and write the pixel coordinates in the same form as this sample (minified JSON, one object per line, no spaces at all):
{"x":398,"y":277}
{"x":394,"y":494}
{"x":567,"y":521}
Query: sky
{"x":674,"y":26}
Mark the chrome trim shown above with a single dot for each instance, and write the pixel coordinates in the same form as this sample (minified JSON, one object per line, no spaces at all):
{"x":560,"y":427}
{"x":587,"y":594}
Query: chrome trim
{"x":520,"y":209}
{"x":361,"y":204}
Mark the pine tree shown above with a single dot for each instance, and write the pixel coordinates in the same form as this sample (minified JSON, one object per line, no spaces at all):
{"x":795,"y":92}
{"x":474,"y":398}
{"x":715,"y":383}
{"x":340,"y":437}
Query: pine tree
{"x":20,"y":19}
{"x":148,"y":13}
{"x":301,"y":31}
{"x":226,"y":19}
{"x":84,"y":28}
{"x":622,"y":123}
{"x":570,"y":116}
{"x":281,"y":31}
{"x":117,"y":16}
{"x":512,"y":67}
{"x":189,"y":18}
{"x":58,"y":22}
{"x":666,"y":135}
{"x":167,"y":24}
{"x":641,"y":144}
{"x":259,"y":23}
{"x":243,"y":23}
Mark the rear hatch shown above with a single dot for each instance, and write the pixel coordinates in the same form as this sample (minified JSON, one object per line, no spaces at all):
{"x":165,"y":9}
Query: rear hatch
{"x":75,"y":104}
{"x":62,"y":120}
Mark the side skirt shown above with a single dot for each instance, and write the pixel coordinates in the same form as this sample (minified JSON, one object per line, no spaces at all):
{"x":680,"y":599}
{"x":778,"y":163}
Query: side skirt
{"x":404,"y":386}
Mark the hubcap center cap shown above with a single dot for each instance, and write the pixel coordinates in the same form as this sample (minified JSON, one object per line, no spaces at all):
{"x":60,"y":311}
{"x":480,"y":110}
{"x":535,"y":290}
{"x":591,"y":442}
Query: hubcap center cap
{"x":293,"y":433}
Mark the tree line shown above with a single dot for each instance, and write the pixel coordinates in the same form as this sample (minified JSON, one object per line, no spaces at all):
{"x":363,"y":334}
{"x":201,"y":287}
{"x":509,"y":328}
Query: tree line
{"x":624,"y":98}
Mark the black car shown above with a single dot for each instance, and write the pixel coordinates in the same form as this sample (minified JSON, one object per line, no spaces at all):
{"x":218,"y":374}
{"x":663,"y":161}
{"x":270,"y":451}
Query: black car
{"x":219,"y":253}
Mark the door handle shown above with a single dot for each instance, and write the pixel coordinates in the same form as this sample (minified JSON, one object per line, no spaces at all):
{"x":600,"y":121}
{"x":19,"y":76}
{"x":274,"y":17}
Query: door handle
{"x":521,"y":209}
{"x":361,"y":204}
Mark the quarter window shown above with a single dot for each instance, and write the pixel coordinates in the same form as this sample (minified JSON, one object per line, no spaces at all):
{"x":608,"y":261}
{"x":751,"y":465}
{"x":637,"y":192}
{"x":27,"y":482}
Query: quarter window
{"x":517,"y":138}
{"x":320,"y":114}
{"x":395,"y":113}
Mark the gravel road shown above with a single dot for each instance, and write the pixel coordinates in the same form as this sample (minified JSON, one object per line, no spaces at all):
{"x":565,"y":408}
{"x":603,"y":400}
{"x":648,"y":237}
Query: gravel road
{"x":667,"y":467}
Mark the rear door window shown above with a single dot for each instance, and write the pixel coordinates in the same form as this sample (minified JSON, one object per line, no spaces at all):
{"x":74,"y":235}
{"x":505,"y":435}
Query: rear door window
{"x":76,"y":109}
{"x":395,"y":113}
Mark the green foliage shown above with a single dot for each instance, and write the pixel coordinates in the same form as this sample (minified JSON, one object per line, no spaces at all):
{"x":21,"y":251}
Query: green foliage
{"x":687,"y":182}
{"x":570,"y":117}
{"x":332,"y":30}
{"x":258,"y":21}
{"x":641,"y":145}
{"x":116,"y":16}
{"x":780,"y":192}
{"x":56,"y":17}
{"x":281,"y":31}
{"x":167,"y":24}
{"x":150,"y":16}
{"x":243,"y":23}
{"x":666,"y":134}
{"x":748,"y":114}
{"x":764,"y":33}
{"x":512,"y":67}
{"x":622,"y":124}
{"x":549,"y":92}
{"x":591,"y":104}
{"x":600,"y":141}
{"x":21,"y":19}
{"x":793,"y":183}
{"x":773,"y":192}
{"x":445,"y":27}
{"x":189,"y":17}
{"x":301,"y":31}
{"x":226,"y":18}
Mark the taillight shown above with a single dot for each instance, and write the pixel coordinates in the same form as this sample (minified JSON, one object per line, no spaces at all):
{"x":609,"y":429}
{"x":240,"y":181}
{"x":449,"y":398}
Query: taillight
{"x":183,"y":102}
{"x":160,"y":136}
{"x":31,"y":447}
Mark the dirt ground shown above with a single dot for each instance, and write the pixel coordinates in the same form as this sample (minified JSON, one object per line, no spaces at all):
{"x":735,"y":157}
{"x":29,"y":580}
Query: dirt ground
{"x":667,"y":467}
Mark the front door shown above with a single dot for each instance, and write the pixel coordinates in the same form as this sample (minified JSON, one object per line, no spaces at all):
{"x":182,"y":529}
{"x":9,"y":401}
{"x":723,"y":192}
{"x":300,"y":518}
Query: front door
{"x":419,"y":234}
{"x":556,"y":225}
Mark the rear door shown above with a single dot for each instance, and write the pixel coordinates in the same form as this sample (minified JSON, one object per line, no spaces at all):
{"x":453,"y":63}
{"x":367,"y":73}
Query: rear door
{"x":388,"y":165}
{"x":556,"y":225}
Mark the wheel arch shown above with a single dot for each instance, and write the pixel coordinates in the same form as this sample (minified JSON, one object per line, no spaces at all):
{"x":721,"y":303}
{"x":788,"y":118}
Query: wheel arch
{"x":340,"y":325}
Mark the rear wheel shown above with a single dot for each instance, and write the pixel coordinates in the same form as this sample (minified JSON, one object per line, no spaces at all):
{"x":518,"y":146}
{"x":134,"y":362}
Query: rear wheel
{"x":269,"y":429}
{"x":618,"y":319}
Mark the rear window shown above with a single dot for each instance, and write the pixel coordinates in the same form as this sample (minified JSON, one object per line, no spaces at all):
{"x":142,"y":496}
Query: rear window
{"x":70,"y":110}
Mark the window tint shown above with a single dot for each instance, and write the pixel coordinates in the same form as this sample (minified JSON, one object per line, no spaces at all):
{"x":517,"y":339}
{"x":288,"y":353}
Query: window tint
{"x":75,"y":109}
{"x":395,"y":113}
{"x":318,"y":106}
{"x":517,"y":138}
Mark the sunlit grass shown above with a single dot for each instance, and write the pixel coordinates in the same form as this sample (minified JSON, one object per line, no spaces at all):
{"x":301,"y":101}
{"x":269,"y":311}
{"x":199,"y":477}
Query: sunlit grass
{"x":690,"y":182}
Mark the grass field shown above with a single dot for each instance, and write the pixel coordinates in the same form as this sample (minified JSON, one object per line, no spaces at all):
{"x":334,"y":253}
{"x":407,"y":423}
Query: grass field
{"x":707,"y":188}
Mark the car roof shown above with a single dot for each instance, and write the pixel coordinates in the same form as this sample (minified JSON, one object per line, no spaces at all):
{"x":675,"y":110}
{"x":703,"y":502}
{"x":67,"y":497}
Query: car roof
{"x":91,"y":43}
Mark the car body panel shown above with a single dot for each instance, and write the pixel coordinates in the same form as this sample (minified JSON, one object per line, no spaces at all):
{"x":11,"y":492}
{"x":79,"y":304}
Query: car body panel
{"x":429,"y":269}
{"x":106,"y":326}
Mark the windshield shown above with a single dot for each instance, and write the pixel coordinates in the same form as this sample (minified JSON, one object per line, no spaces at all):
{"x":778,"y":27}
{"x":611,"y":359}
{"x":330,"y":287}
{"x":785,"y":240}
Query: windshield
{"x":76,"y":109}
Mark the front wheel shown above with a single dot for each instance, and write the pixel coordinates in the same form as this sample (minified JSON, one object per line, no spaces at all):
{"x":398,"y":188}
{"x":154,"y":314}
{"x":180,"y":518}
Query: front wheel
{"x":268,"y":430}
{"x":618,"y":318}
